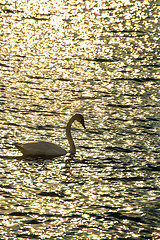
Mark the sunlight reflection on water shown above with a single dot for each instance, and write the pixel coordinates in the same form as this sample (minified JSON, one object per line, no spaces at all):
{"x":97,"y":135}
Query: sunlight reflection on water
{"x":100,"y":59}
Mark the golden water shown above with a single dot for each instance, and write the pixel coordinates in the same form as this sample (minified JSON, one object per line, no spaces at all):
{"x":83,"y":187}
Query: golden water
{"x":100,"y":59}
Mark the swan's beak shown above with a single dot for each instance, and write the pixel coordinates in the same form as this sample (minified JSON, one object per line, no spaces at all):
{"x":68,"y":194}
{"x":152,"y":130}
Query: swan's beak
{"x":83,"y":124}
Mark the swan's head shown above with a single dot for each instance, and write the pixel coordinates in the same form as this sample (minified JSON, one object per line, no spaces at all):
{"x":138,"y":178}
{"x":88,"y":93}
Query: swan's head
{"x":80,"y":119}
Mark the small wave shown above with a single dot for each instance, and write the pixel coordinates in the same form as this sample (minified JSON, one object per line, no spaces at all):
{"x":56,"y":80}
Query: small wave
{"x":27,"y":236}
{"x":138,"y":79}
{"x":50,"y":194}
{"x":39,"y":18}
{"x":32,"y":221}
{"x":125,"y":179}
{"x":36,"y":77}
{"x":152,"y":65}
{"x":127,"y":217}
{"x":118,"y":149}
{"x":4,"y":65}
{"x":153,"y":168}
{"x":102,"y":59}
{"x":120,"y":105}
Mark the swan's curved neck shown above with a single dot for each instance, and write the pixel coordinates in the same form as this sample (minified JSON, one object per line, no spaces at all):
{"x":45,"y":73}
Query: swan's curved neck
{"x":69,"y":137}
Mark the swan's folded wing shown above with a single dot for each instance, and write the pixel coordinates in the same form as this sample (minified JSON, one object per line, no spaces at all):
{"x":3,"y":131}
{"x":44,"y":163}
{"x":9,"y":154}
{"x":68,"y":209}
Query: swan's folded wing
{"x":41,"y":149}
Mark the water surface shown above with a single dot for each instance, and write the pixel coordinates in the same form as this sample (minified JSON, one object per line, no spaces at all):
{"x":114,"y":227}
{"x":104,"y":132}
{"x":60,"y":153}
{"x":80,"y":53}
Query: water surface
{"x":100,"y":59}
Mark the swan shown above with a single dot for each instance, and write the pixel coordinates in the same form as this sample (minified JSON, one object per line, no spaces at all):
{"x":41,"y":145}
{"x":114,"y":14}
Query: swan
{"x":47,"y":149}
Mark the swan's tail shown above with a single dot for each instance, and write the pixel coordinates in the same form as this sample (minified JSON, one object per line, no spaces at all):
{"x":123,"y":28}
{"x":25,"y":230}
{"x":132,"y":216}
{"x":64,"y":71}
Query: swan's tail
{"x":18,"y":146}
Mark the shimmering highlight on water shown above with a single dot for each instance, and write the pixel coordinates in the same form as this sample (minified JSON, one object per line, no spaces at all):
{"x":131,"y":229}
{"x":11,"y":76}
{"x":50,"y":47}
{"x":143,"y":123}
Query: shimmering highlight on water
{"x":100,"y":59}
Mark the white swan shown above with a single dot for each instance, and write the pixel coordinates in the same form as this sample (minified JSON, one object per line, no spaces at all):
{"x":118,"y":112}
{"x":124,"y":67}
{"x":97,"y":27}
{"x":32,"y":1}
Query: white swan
{"x":46,"y":149}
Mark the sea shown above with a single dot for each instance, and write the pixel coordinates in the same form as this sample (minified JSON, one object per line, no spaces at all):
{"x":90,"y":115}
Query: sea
{"x":101,"y":59}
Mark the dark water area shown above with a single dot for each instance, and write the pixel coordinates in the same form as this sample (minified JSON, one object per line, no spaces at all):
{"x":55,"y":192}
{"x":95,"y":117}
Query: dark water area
{"x":100,"y":59}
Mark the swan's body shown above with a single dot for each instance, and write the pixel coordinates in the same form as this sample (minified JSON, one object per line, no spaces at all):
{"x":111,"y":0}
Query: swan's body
{"x":41,"y":149}
{"x":46,"y":149}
